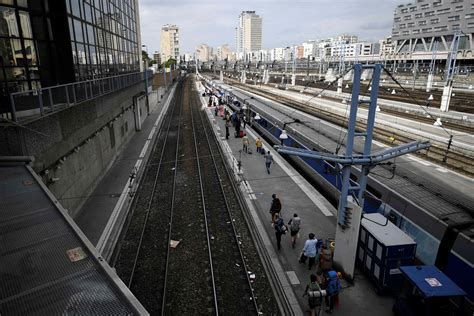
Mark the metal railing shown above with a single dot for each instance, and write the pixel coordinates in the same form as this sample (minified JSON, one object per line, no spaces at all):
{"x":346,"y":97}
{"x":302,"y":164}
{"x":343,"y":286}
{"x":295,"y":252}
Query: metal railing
{"x":43,"y":101}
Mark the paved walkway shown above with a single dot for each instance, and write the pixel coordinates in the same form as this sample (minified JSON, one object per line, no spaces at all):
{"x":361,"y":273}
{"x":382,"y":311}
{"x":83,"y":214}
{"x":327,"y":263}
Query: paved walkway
{"x":297,"y":196}
{"x":111,"y":194}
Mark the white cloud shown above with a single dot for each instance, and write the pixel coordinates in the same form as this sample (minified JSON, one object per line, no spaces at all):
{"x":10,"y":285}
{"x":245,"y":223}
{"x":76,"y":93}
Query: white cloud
{"x":285,"y":22}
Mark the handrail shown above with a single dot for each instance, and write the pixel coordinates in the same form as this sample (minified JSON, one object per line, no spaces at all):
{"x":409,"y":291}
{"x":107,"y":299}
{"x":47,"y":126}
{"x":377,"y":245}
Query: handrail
{"x":41,"y":101}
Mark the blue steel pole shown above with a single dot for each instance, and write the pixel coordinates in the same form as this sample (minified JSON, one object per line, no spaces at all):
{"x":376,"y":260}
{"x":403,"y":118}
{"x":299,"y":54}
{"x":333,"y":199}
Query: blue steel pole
{"x":370,"y":130}
{"x":346,"y":171}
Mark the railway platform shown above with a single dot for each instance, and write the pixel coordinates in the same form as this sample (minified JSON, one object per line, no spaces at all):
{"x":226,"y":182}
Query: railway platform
{"x":297,"y":196}
{"x":100,"y":213}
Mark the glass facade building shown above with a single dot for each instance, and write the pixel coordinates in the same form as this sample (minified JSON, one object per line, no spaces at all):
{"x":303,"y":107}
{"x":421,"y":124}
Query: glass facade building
{"x":50,"y":42}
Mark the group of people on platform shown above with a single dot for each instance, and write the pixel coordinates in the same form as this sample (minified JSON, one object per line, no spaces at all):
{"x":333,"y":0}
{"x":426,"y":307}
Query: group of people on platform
{"x":325,"y":278}
{"x":236,"y":120}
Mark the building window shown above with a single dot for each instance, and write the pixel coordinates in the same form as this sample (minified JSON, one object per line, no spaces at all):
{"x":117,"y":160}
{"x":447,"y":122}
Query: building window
{"x":437,"y":3}
{"x":425,"y":6}
{"x":469,"y":16}
{"x":404,"y":10}
{"x":453,"y":18}
{"x":458,"y":8}
{"x":456,"y":27}
{"x":429,"y":13}
{"x":440,"y":28}
{"x":397,"y":19}
{"x":421,"y":23}
{"x":427,"y":30}
{"x":413,"y":9}
{"x":434,"y":21}
{"x":407,"y":18}
{"x":470,"y":25}
{"x":402,"y":26}
{"x":417,"y":31}
{"x":405,"y":33}
{"x":411,"y":24}
{"x":443,"y":11}
{"x":418,"y":15}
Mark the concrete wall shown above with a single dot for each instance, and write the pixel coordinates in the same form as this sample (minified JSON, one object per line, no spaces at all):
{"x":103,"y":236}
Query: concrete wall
{"x":74,"y":148}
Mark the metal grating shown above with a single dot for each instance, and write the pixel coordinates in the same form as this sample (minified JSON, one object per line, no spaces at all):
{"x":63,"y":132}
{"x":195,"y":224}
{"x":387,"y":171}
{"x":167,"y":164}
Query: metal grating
{"x":47,"y":266}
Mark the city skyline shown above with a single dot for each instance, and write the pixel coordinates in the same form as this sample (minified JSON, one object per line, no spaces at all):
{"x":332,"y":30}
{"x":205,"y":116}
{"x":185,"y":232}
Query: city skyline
{"x":202,"y":26}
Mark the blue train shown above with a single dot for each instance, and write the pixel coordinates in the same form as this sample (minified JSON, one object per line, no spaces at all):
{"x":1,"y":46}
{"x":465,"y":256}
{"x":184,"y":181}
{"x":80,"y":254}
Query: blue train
{"x":450,"y":247}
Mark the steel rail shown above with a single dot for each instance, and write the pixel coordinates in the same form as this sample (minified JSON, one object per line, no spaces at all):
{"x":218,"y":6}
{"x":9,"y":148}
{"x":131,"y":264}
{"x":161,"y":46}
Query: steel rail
{"x":165,"y":283}
{"x":229,"y":211}
{"x":204,"y":212}
{"x":153,"y":193}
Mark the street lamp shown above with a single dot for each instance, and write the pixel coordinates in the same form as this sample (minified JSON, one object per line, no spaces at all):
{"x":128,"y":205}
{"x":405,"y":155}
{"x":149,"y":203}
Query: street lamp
{"x":145,"y":71}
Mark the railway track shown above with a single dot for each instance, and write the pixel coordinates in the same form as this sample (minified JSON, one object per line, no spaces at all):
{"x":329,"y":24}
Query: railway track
{"x":455,"y":159}
{"x":186,"y":196}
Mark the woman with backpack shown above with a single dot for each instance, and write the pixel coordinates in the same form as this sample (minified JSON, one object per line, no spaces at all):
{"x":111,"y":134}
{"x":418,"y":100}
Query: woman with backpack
{"x":295,"y":224}
{"x":314,"y":293}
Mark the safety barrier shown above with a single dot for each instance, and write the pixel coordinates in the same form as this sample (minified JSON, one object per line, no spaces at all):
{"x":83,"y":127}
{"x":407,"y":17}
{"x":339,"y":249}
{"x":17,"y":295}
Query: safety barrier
{"x":43,"y":101}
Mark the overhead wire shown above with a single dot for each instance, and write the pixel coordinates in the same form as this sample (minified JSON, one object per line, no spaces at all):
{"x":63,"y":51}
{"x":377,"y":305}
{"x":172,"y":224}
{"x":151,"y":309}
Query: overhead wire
{"x":413,"y":99}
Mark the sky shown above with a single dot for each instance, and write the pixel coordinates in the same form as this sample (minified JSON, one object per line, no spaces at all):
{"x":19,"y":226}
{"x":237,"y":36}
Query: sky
{"x":285,"y":22}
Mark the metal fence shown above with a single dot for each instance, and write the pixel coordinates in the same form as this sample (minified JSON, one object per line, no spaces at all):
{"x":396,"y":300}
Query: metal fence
{"x":39,"y":102}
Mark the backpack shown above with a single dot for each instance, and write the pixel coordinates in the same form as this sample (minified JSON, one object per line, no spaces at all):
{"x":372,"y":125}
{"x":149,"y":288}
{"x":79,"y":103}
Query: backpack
{"x":295,"y":223}
{"x":280,"y":226}
{"x":333,"y":283}
{"x":315,"y":296}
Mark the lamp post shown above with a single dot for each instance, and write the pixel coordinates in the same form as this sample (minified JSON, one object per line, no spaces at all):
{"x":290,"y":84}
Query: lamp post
{"x":146,"y":79}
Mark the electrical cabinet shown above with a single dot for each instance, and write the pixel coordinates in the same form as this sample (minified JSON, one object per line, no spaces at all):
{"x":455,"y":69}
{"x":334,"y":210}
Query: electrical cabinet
{"x":381,"y":249}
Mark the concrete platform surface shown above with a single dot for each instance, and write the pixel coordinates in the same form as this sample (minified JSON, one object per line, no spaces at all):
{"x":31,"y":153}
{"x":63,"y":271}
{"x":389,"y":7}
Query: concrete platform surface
{"x":297,"y":196}
{"x":111,"y":194}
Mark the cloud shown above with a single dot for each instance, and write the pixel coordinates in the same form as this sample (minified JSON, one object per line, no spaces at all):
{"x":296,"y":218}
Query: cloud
{"x":285,"y":22}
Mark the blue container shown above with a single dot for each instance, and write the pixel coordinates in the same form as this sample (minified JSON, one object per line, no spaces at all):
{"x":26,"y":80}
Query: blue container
{"x":382,"y":249}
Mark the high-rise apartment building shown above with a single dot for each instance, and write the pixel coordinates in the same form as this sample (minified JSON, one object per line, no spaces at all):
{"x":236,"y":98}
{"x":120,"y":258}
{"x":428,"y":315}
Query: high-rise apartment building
{"x":157,"y":57}
{"x":203,"y":52}
{"x":248,"y":33}
{"x":223,"y":52}
{"x":50,"y":42}
{"x":169,"y":42}
{"x":418,"y":25}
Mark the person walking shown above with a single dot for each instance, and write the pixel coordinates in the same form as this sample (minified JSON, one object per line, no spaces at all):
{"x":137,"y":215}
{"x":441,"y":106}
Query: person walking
{"x":228,"y":124}
{"x":259,"y":145}
{"x":280,"y":229}
{"x":268,"y":161}
{"x":275,"y":208}
{"x":238,"y":122}
{"x":245,"y":144}
{"x":333,"y":286}
{"x":309,"y":251}
{"x":295,"y":225}
{"x":314,"y":293}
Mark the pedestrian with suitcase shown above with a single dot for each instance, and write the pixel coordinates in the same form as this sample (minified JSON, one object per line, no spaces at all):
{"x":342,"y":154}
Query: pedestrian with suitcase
{"x":309,"y":251}
{"x":245,"y":144}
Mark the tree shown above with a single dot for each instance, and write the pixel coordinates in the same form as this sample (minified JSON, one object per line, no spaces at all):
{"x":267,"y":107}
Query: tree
{"x":170,"y":62}
{"x":147,"y":59}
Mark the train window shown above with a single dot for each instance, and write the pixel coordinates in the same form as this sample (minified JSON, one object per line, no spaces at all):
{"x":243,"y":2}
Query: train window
{"x":374,"y":192}
{"x":353,"y":177}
